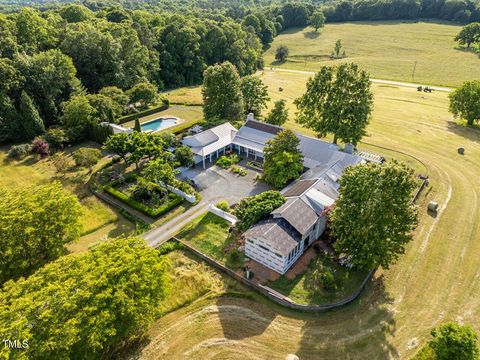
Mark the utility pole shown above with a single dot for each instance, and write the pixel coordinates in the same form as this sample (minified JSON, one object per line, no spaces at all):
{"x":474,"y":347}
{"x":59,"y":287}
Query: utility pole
{"x":414,"y":68}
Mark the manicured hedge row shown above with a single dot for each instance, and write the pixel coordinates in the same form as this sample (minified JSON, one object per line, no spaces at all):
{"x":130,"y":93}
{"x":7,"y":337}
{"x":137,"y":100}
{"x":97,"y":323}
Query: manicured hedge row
{"x":174,"y":201}
{"x":184,"y":126}
{"x":165,"y":105}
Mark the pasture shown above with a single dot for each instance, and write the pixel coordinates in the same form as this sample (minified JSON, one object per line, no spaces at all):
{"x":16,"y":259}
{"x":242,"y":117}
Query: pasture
{"x":386,"y":49}
{"x":436,"y":280}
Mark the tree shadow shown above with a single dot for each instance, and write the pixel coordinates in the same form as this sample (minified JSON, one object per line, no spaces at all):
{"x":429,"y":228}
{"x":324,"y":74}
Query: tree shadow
{"x":471,"y":50}
{"x":241,"y":319}
{"x":358,"y":330}
{"x":471,"y":133}
{"x":311,"y":34}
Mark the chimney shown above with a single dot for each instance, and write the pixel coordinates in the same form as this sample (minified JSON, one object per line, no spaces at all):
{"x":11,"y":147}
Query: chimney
{"x":250,"y":117}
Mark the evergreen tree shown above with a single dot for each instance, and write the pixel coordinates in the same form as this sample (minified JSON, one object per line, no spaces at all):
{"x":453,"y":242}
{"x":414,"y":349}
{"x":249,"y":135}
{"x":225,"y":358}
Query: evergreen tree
{"x":137,"y":126}
{"x":29,"y":118}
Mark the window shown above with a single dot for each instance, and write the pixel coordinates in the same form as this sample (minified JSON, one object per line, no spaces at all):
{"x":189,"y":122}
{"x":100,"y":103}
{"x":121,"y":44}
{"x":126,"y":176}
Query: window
{"x":264,"y":248}
{"x":278,"y":255}
{"x":250,"y":241}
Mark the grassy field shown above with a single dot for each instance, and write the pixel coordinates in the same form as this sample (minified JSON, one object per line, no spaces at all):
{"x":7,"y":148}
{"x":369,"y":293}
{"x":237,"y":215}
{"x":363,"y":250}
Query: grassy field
{"x":209,"y":234}
{"x":388,"y":50}
{"x":97,"y":220}
{"x":436,"y":280}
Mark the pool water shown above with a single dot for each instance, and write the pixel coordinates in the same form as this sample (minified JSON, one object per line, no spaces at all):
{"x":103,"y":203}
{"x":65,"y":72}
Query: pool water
{"x":157,"y":124}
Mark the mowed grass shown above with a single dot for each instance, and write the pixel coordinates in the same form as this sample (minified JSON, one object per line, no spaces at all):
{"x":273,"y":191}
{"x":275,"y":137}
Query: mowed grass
{"x":387,"y":50}
{"x":436,"y":280}
{"x":210,"y":234}
{"x":189,"y":114}
{"x":33,"y":171}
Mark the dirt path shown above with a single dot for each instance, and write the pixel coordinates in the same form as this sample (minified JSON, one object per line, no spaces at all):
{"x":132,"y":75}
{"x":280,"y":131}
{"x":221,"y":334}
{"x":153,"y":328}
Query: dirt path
{"x":378,"y":81}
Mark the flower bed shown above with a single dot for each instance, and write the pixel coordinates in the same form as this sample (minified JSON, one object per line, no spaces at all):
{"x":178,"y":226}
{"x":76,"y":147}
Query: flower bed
{"x":158,"y":202}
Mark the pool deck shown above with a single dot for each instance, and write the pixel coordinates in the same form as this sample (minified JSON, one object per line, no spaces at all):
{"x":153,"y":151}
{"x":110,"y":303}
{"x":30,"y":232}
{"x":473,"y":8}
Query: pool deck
{"x":178,"y":121}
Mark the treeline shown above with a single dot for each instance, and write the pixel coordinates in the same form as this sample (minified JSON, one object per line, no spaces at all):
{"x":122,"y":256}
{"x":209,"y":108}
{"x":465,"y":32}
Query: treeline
{"x":463,"y":11}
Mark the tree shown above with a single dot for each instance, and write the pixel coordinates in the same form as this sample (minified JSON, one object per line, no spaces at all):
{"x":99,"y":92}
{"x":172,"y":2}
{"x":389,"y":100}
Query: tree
{"x":104,"y":108}
{"x":29,"y":118}
{"x":159,"y":171}
{"x":119,"y":144}
{"x":222,"y":95}
{"x":77,"y":115}
{"x":137,"y":126}
{"x":374,"y":215}
{"x":56,"y":138}
{"x":464,"y":101}
{"x":86,"y":157}
{"x":96,"y":300}
{"x":339,"y":101}
{"x":252,"y":209}
{"x":255,"y":94}
{"x":453,"y":341}
{"x":338,"y":49}
{"x":33,"y":32}
{"x":283,"y":160}
{"x":143,"y":92}
{"x":184,"y":156}
{"x":35,"y":224}
{"x":74,"y":13}
{"x":279,"y":114}
{"x":317,"y":20}
{"x":469,"y":34}
{"x":281,"y":53}
{"x":119,"y":98}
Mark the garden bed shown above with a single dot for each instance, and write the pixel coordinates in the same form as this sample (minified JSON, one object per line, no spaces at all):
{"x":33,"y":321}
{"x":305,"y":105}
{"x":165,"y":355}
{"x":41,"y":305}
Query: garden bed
{"x":314,"y":286}
{"x":142,"y":195}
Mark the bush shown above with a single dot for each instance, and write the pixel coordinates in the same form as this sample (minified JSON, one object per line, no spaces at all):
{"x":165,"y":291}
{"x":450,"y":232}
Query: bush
{"x":224,"y":162}
{"x":328,"y":280}
{"x":86,"y":157}
{"x":56,"y":137}
{"x":19,"y":151}
{"x":170,"y":246}
{"x":223,"y":205}
{"x":40,"y":146}
{"x":238,"y":170}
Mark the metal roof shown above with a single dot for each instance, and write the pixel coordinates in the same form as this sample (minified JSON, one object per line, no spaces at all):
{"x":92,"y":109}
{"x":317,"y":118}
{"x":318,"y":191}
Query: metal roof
{"x":261,"y":126}
{"x":298,"y":188}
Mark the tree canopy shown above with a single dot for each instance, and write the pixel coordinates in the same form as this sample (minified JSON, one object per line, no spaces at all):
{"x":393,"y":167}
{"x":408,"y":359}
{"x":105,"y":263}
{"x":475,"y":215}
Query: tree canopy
{"x":222,"y":95}
{"x":81,"y":306}
{"x":465,"y":100}
{"x":283,"y":159}
{"x":338,"y":100}
{"x":374,"y":216}
{"x":279,"y":114}
{"x":317,"y":20}
{"x":469,"y":34}
{"x":252,"y":209}
{"x":255,"y":94}
{"x":35,"y":224}
{"x":454,"y":341}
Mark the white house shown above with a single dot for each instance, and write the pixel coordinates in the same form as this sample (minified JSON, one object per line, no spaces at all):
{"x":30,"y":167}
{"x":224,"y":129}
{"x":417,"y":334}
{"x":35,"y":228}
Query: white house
{"x":280,"y":240}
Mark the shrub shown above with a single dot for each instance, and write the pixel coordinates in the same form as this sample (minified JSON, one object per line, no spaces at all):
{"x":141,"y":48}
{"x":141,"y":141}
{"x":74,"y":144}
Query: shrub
{"x":40,"y":146}
{"x":19,"y":151}
{"x":86,"y":157}
{"x":238,"y":170}
{"x":56,"y":137}
{"x":224,"y":162}
{"x":223,"y":205}
{"x":169,"y":246}
{"x":328,"y":280}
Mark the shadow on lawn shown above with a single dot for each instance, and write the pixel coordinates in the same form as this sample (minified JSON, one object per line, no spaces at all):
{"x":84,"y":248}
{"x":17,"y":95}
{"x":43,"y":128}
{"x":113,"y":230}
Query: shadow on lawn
{"x":358,"y":330}
{"x":471,"y":133}
{"x":311,"y":34}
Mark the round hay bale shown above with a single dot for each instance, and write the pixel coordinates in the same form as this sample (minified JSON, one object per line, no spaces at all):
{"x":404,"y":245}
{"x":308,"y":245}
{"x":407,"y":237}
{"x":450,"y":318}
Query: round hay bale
{"x":432,"y":206}
{"x":292,"y":357}
{"x":461,"y":150}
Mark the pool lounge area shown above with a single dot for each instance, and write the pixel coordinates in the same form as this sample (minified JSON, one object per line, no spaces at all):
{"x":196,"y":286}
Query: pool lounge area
{"x":159,"y":124}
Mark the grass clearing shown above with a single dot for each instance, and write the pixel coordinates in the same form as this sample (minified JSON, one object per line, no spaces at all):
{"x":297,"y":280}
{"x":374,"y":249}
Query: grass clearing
{"x":190,"y":114}
{"x":386,"y":49}
{"x":210,"y":234}
{"x":32,"y":171}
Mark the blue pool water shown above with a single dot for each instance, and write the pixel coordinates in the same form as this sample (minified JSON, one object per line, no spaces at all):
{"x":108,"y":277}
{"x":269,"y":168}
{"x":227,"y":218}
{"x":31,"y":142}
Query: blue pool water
{"x":158,"y":124}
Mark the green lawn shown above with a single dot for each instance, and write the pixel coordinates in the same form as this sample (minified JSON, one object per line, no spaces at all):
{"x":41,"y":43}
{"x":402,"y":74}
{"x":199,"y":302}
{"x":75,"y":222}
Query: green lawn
{"x":209,"y":233}
{"x":188,"y":114}
{"x":307,"y":288}
{"x":387,"y":49}
{"x":97,"y":218}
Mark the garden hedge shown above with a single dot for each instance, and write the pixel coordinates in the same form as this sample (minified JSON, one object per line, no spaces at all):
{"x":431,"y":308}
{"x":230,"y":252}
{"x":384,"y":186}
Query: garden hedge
{"x":174,"y":201}
{"x":164,"y":106}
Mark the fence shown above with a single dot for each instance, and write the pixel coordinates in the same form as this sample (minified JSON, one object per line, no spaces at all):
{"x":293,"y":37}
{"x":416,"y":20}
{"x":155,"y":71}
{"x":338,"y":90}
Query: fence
{"x":274,"y":295}
{"x":190,"y":198}
{"x":223,"y":214}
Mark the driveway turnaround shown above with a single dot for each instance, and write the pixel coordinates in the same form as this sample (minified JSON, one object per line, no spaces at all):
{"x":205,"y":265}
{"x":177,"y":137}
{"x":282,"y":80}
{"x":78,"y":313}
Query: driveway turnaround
{"x":214,"y":184}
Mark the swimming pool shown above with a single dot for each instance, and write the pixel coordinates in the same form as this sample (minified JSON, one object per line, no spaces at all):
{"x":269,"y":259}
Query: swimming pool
{"x":158,"y":124}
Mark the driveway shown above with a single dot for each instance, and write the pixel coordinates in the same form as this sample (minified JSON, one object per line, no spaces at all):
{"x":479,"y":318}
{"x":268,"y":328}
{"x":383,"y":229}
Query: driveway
{"x":214,"y":184}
